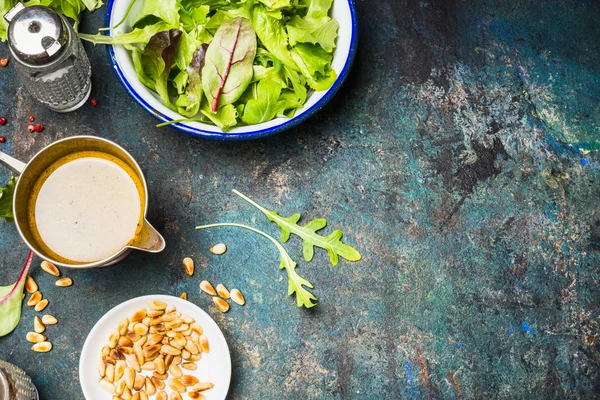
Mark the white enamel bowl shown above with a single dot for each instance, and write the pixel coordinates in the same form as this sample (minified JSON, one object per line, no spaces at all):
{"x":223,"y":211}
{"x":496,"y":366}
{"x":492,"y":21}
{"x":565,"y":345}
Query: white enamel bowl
{"x":213,"y":367}
{"x":343,"y":11}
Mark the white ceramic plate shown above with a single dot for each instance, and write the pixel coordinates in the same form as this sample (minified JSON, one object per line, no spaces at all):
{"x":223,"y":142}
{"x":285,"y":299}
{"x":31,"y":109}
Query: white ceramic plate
{"x":214,"y":367}
{"x":343,"y":11}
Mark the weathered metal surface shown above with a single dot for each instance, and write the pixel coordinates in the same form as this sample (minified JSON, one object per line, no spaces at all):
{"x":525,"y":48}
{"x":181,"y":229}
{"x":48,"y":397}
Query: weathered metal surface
{"x":460,"y":158}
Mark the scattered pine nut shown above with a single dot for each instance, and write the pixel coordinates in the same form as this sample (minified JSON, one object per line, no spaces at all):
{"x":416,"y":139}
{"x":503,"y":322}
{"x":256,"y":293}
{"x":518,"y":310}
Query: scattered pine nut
{"x":38,"y":325}
{"x":49,"y":320}
{"x":34,"y":299}
{"x":218,"y":249}
{"x":183,"y":296}
{"x":41,"y":305}
{"x":188,"y":264}
{"x":42,"y":347}
{"x":206,"y":287}
{"x":221,"y":304}
{"x":50,"y":268}
{"x":63,"y":282}
{"x":35,"y":337}
{"x":30,"y":285}
{"x":223,"y":291}
{"x":237,"y":297}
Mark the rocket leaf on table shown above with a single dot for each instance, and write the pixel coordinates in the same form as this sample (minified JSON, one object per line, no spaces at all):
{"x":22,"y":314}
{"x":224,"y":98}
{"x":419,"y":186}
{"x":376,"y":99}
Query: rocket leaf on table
{"x":296,"y":283}
{"x":11,"y":298}
{"x":310,"y":238}
{"x":228,"y":68}
{"x":6,"y":199}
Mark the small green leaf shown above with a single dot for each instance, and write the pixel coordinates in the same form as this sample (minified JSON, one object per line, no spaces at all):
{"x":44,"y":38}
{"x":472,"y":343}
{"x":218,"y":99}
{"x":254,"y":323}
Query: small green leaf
{"x":11,"y":298}
{"x":296,"y":283}
{"x":310,"y":238}
{"x":6,"y":199}
{"x":265,"y":105}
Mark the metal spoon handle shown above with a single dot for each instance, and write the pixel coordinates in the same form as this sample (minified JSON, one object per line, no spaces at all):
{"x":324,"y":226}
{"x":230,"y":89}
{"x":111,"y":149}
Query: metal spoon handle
{"x":12,"y":163}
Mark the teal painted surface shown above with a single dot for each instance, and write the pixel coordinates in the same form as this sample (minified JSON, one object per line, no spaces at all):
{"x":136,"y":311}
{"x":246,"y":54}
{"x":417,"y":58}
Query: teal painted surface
{"x":460,"y":159}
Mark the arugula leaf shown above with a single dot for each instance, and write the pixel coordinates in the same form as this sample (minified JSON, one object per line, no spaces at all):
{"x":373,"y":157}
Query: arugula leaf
{"x":228,"y":68}
{"x":295,"y":282}
{"x":265,"y":105}
{"x":137,"y":36}
{"x":6,"y":199}
{"x":11,"y":298}
{"x":310,"y":238}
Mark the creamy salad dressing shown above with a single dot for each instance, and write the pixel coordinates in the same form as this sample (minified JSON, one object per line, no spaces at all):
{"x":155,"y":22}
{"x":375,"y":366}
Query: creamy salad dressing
{"x":87,"y":207}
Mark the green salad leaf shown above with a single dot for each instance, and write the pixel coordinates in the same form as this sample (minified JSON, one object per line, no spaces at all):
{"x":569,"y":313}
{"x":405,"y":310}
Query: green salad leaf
{"x":157,"y":60}
{"x":273,"y":35}
{"x":262,"y":56}
{"x":296,"y":283}
{"x":136,"y":36}
{"x":266,"y":103}
{"x":6,"y":199}
{"x":310,"y":238}
{"x":321,"y":32}
{"x":228,"y":70}
{"x":11,"y":298}
{"x":188,"y":103}
{"x":163,"y":10}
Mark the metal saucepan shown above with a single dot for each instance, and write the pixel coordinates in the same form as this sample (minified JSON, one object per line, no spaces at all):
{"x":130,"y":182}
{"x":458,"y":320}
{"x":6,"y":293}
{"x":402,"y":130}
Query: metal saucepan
{"x":148,"y":239}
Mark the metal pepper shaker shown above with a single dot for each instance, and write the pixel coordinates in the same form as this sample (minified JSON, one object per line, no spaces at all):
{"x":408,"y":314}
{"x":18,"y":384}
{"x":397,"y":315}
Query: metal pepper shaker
{"x":15,"y":384}
{"x":49,"y":57}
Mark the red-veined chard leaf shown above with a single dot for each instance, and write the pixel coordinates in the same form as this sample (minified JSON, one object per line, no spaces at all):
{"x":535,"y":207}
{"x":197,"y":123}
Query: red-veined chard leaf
{"x":228,"y":68}
{"x":11,"y":298}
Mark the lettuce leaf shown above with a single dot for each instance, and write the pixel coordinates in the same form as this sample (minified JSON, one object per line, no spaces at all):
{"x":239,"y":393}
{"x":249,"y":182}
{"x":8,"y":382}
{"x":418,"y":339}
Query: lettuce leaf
{"x":271,"y":32}
{"x":315,"y":64}
{"x":5,"y":6}
{"x":318,"y":9}
{"x":164,"y":10}
{"x":322,"y":32}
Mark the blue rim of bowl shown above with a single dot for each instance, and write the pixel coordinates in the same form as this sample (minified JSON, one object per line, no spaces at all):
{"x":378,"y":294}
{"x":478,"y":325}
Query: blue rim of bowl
{"x":292,"y":122}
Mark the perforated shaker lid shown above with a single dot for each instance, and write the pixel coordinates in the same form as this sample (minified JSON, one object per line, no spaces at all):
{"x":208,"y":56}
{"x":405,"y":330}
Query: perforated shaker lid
{"x":36,"y":34}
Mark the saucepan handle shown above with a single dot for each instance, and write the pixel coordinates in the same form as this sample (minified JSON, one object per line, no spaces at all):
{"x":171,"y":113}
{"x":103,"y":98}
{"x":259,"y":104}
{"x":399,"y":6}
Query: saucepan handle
{"x":12,"y":163}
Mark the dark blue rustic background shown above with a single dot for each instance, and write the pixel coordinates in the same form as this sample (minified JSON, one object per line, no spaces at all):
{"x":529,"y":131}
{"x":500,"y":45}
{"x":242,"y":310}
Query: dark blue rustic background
{"x":461,"y":158}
